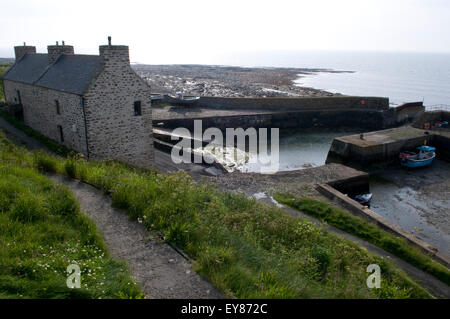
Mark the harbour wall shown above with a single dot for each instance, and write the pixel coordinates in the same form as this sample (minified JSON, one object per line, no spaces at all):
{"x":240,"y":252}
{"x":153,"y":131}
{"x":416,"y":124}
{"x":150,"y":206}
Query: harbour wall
{"x":325,"y":119}
{"x":366,"y":113}
{"x":302,"y":103}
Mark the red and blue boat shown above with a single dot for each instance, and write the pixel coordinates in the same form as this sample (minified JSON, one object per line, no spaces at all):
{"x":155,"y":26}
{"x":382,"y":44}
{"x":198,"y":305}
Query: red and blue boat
{"x":423,"y":157}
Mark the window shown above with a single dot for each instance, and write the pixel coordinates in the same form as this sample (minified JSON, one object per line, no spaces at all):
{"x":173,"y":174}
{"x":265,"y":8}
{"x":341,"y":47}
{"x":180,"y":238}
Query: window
{"x":58,"y":108}
{"x":61,"y":135}
{"x":19,"y":98}
{"x":137,"y":108}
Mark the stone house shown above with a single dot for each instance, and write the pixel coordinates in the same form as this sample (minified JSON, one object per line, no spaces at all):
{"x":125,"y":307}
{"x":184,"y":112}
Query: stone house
{"x":94,"y":104}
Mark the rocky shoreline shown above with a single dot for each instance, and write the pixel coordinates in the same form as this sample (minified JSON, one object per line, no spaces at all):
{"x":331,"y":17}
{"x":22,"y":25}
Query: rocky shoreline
{"x":229,"y":81}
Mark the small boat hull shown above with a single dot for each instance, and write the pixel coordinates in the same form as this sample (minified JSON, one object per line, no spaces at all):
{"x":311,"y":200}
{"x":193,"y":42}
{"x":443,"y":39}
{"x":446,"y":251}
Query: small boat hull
{"x":418,"y":163}
{"x":425,"y":157}
{"x":183,"y":100}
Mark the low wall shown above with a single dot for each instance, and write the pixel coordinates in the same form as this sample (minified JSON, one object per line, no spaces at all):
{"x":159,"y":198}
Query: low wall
{"x":367,"y":120}
{"x":361,"y":211}
{"x":352,"y":186}
{"x":288,"y":103}
{"x":366,"y":113}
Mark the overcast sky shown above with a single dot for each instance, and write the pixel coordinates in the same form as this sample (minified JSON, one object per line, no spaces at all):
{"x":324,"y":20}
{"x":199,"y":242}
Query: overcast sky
{"x":191,"y":31}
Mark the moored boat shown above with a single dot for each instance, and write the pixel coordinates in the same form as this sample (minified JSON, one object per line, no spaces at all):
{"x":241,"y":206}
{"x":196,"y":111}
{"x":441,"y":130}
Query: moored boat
{"x":424,"y":157}
{"x":181,"y":99}
{"x":363,"y":199}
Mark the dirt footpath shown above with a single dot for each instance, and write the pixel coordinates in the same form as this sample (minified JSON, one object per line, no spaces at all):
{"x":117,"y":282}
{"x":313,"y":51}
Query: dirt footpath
{"x":160,"y":270}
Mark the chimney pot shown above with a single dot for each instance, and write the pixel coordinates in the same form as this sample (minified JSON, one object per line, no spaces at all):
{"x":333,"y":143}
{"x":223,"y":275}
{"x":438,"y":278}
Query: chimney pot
{"x":62,"y":42}
{"x":109,"y":40}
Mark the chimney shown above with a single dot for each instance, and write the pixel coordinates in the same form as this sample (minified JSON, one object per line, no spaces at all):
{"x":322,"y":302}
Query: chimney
{"x":54,"y":51}
{"x":20,"y":51}
{"x":114,"y":55}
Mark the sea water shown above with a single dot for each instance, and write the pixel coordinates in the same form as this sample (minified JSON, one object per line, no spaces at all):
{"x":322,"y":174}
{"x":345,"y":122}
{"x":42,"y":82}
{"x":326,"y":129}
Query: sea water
{"x":299,"y":150}
{"x":400,"y":76}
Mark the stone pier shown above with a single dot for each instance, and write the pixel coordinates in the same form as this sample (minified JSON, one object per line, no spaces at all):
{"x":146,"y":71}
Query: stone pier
{"x":380,"y":148}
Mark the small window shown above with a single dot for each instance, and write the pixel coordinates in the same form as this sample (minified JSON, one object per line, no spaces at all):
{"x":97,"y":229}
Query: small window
{"x":19,"y":97}
{"x":58,"y":107}
{"x":61,"y":135}
{"x":137,"y":108}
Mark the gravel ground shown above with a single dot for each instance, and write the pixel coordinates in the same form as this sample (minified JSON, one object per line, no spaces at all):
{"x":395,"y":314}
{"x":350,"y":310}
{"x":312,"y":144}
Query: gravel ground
{"x":298,"y":182}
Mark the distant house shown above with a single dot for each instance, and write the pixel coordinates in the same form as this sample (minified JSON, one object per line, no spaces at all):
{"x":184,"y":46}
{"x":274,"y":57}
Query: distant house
{"x":94,"y":104}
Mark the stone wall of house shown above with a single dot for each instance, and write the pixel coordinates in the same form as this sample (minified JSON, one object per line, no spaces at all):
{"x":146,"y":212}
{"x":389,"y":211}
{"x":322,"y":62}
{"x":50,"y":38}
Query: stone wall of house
{"x":39,"y":110}
{"x":114,"y":131}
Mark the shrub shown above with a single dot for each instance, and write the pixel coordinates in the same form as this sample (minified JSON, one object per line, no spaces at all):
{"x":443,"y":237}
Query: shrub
{"x":8,"y":193}
{"x":62,"y":202}
{"x":28,"y":208}
{"x":323,"y":258}
{"x":45,"y":162}
{"x":70,"y":167}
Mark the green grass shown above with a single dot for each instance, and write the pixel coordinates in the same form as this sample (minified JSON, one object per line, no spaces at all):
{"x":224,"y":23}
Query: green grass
{"x":42,"y":232}
{"x":367,"y":231}
{"x":244,"y":248}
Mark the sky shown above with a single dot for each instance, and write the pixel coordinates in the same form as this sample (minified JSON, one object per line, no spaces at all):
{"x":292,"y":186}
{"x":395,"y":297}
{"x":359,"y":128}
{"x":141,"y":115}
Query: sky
{"x":209,"y":31}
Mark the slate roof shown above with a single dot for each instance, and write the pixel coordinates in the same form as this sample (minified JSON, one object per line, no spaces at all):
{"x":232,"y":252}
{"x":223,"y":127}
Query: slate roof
{"x":69,"y":73}
{"x":28,"y":69}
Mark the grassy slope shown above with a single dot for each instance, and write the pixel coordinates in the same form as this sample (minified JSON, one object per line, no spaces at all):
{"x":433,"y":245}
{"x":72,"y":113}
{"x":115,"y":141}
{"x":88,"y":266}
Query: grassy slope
{"x":367,"y":231}
{"x":42,"y":231}
{"x":244,"y":248}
